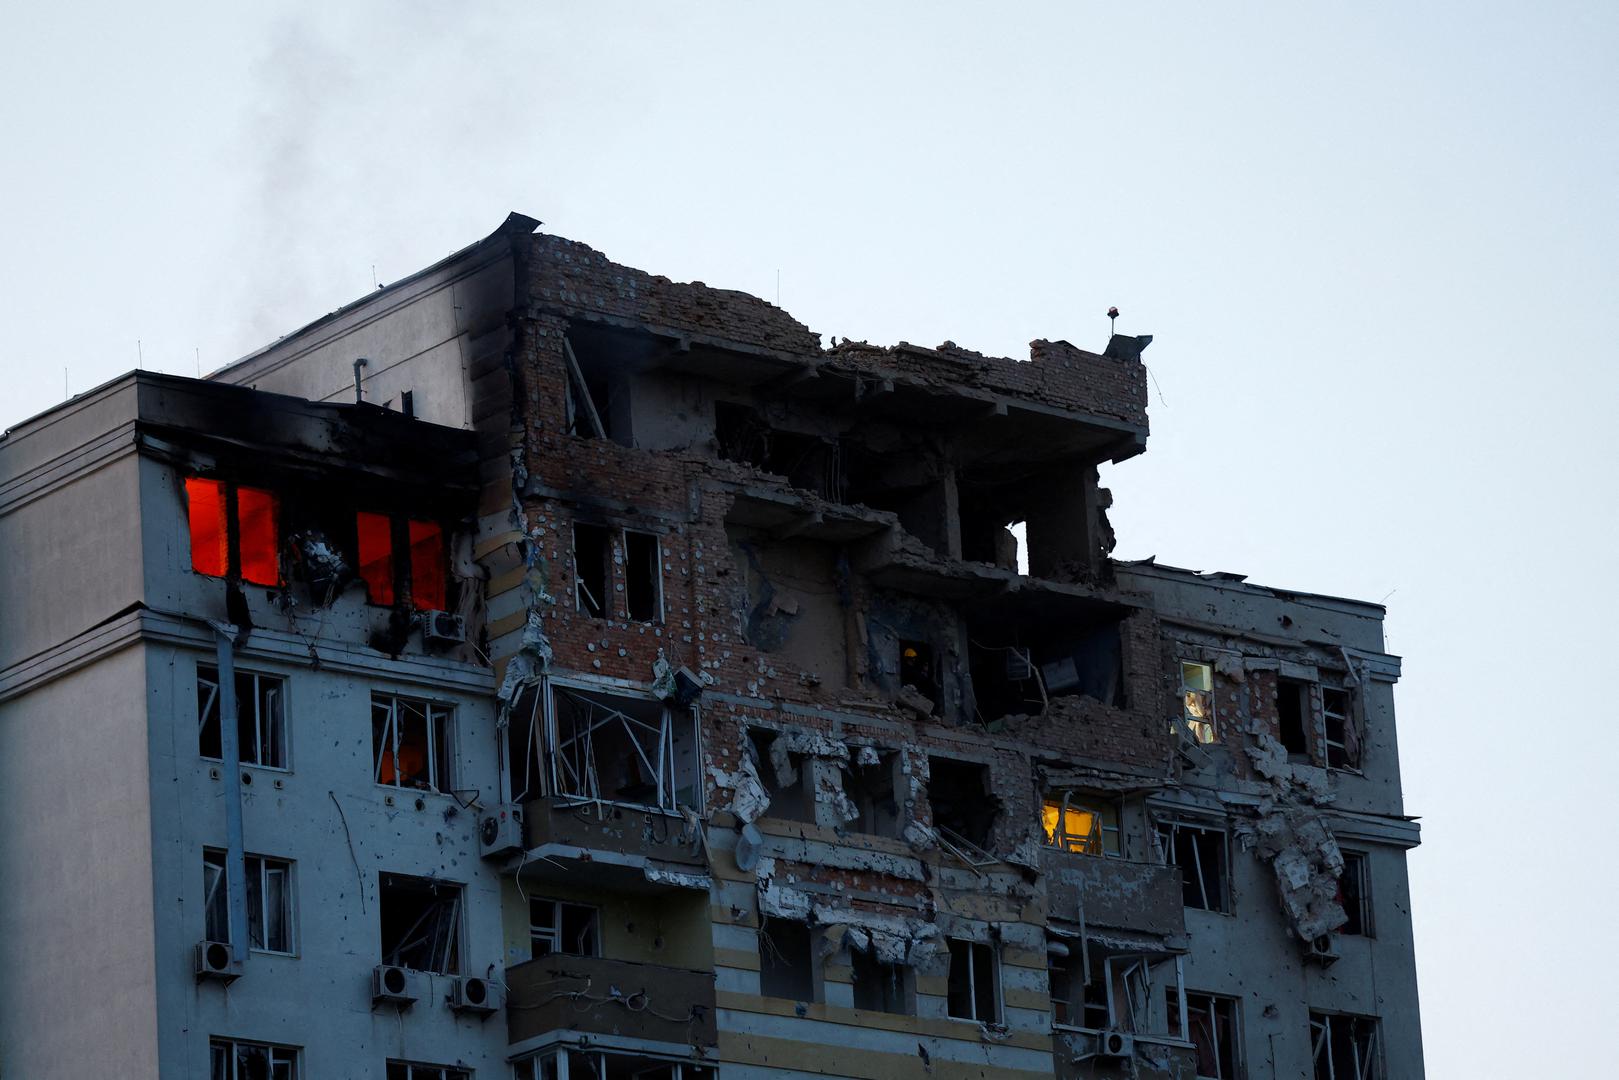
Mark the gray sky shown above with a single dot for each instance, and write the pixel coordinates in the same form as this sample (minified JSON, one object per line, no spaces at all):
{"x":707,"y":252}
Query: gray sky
{"x":1375,"y":242}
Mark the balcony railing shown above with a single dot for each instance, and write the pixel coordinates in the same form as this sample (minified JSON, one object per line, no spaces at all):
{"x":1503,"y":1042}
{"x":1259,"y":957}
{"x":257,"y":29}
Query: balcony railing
{"x":1114,"y":893}
{"x":610,"y":998}
{"x":632,"y":831}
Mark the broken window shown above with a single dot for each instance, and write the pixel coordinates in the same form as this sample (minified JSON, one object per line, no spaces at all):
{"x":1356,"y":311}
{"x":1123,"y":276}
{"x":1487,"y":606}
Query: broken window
{"x":1343,"y":740}
{"x":974,"y":985}
{"x":556,"y":926}
{"x":1355,"y":894}
{"x":880,"y":986}
{"x":1087,"y":824}
{"x":1080,"y":656}
{"x":870,"y":786}
{"x":1202,"y":855}
{"x":643,"y":577}
{"x":617,"y":748}
{"x":421,"y":923}
{"x":963,"y":808}
{"x":423,"y":574}
{"x":411,"y":743}
{"x":1214,"y":1034}
{"x":813,"y":462}
{"x":592,"y":568}
{"x":235,"y":530}
{"x":415,"y":1070}
{"x":1293,"y":716}
{"x":1345,"y":1047}
{"x":269,"y":902}
{"x":568,"y":1064}
{"x":1076,"y":1002}
{"x":261,"y":720}
{"x":786,"y":963}
{"x":232,"y":1059}
{"x":785,"y":775}
{"x":1197,"y":700}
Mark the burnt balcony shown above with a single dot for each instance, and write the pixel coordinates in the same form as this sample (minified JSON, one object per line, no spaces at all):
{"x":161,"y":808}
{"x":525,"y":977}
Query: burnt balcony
{"x":617,"y":998}
{"x":1117,"y":894}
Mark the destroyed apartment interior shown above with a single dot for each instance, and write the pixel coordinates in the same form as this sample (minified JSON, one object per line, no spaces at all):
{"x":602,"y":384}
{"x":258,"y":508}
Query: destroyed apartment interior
{"x":540,"y":669}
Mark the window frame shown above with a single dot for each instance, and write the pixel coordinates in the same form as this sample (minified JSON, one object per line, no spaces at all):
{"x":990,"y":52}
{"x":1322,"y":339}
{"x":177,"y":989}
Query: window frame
{"x":399,"y":559}
{"x":1322,"y":1025}
{"x":1189,"y":721}
{"x":231,"y":522}
{"x":457,"y":942}
{"x":1173,"y":1000}
{"x":214,"y":859}
{"x":1096,"y":806}
{"x":555,"y":931}
{"x":813,"y":973}
{"x":423,"y":1070}
{"x":1166,"y":828}
{"x":441,"y":774}
{"x":972,"y":951}
{"x":900,"y":979}
{"x":1338,"y":749}
{"x":673,"y":716}
{"x":1362,"y":863}
{"x":657,"y":577}
{"x":293,"y":1057}
{"x":285,"y":741}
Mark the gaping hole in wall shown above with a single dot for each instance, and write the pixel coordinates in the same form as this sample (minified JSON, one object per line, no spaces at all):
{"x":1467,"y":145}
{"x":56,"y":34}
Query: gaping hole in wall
{"x":1214,"y":1033}
{"x":1343,"y":740}
{"x":796,"y":598}
{"x":1345,"y":1047}
{"x":880,"y":986}
{"x":784,"y":774}
{"x":261,"y":719}
{"x":622,"y":749}
{"x":871,"y":787}
{"x":412,"y":743}
{"x":235,"y":530}
{"x":786,"y":961}
{"x":563,"y":1064}
{"x":1203,"y":855}
{"x":974,"y":986}
{"x":1018,"y":667}
{"x":557,"y":926}
{"x":1057,"y":505}
{"x":1081,"y":822}
{"x":593,"y":569}
{"x":421,"y":923}
{"x":643,"y":576}
{"x":963,"y":806}
{"x":1293,"y":715}
{"x":912,"y":482}
{"x":812,"y":462}
{"x":1355,"y":895}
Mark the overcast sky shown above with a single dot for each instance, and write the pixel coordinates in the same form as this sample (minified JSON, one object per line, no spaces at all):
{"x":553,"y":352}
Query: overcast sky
{"x":1375,"y":244}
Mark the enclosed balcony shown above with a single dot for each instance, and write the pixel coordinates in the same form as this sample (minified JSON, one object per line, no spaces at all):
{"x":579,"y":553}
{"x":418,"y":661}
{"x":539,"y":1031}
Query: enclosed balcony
{"x":610,"y":999}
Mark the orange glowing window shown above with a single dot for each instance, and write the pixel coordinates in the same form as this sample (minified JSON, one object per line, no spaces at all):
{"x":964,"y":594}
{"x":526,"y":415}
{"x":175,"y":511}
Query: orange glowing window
{"x":1089,"y":827}
{"x":376,"y":556}
{"x":427,"y":564}
{"x":210,"y":541}
{"x":258,"y":540}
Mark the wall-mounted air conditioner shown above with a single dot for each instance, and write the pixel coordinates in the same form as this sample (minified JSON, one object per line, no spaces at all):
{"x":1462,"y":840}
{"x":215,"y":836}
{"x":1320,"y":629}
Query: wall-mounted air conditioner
{"x":391,"y":985}
{"x":470,"y":994}
{"x":1115,"y":1044}
{"x":1322,"y":949}
{"x":500,"y":831}
{"x":217,"y":960}
{"x":443,"y":628}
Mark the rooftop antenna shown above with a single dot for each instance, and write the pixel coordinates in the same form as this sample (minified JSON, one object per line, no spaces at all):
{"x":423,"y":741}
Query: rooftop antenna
{"x":198,"y":350}
{"x":359,"y":393}
{"x":66,"y":393}
{"x":374,"y":280}
{"x":140,"y":356}
{"x":778,"y":288}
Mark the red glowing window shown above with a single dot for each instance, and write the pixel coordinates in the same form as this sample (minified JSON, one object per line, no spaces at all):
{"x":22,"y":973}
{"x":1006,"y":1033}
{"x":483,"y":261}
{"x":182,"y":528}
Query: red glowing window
{"x":376,"y":556}
{"x":427,"y":563}
{"x":258,"y":537}
{"x":210,"y":541}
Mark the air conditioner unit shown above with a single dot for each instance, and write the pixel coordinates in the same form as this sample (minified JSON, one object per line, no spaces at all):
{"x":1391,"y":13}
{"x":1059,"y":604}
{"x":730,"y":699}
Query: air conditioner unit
{"x":443,"y":627}
{"x":391,"y":985}
{"x":473,"y":995}
{"x":1321,"y":949}
{"x":1115,"y":1044}
{"x":217,"y":960}
{"x":500,"y":831}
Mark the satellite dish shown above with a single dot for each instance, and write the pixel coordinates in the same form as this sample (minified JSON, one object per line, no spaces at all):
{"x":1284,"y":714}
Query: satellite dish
{"x":747,"y":847}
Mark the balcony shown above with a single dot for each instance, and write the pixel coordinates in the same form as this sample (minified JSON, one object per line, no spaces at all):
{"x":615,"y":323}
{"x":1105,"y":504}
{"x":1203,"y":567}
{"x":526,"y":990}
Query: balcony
{"x":1116,"y":894}
{"x":610,"y":998}
{"x":1153,"y":1058}
{"x":613,"y":835}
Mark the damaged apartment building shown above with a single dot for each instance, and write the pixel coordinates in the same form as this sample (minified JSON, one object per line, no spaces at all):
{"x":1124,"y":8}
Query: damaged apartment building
{"x":542,"y":670}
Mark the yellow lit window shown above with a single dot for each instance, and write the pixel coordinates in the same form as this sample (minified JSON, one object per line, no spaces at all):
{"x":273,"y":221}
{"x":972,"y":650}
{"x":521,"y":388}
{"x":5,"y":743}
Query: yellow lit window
{"x":1086,"y":826}
{"x":1197,"y":696}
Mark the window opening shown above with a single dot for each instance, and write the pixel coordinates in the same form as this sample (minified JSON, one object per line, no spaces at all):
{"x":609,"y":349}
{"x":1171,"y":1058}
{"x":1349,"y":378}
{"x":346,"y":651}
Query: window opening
{"x":963,"y":807}
{"x":1085,"y":824}
{"x":643,"y":577}
{"x":813,"y":462}
{"x":871,"y":788}
{"x":411,"y":743}
{"x":1293,"y":714}
{"x":235,"y":530}
{"x":260,"y":717}
{"x":375,"y":536}
{"x":1342,"y":741}
{"x":917,"y":668}
{"x":591,"y":566}
{"x":1354,"y":894}
{"x":621,"y":749}
{"x":412,"y":1070}
{"x":879,"y":986}
{"x":1344,"y":1047}
{"x":1200,"y":851}
{"x":269,"y":902}
{"x":974,"y":992}
{"x":786,"y":966}
{"x":566,"y":1064}
{"x":1214,"y":1032}
{"x":556,"y":926}
{"x":428,"y":565}
{"x":785,"y":775}
{"x":1197,"y":700}
{"x":421,"y":923}
{"x":424,"y":572}
{"x":231,"y":1059}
